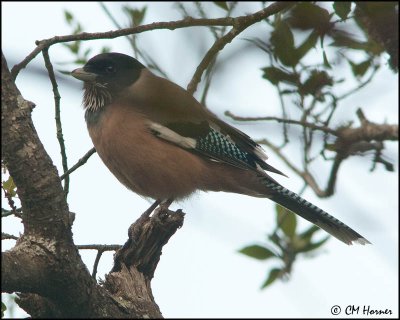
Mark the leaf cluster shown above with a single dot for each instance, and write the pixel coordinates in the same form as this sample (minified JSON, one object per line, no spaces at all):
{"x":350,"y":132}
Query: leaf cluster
{"x":284,"y":246}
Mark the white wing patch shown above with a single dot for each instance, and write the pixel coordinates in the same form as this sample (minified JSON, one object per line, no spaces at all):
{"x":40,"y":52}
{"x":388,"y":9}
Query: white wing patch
{"x":260,"y":152}
{"x":171,"y":136}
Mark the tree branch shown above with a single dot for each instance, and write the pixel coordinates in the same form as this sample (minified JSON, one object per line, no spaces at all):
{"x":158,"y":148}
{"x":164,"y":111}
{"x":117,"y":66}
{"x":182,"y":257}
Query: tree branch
{"x":352,"y":140}
{"x":80,"y":163}
{"x":282,"y":120}
{"x":57,"y":98}
{"x":239,"y":25}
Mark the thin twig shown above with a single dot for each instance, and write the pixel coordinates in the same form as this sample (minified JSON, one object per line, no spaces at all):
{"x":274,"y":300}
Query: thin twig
{"x":96,"y":263}
{"x":16,"y":212}
{"x":360,"y":86}
{"x":103,"y":247}
{"x":217,"y":35}
{"x":301,"y":123}
{"x":109,"y":15}
{"x":278,"y":152}
{"x":100,"y":250}
{"x":57,"y":98}
{"x":284,"y":115}
{"x":11,"y":203}
{"x":6,"y":236}
{"x":6,"y":213}
{"x":80,"y":163}
{"x":330,"y":188}
{"x":203,"y":15}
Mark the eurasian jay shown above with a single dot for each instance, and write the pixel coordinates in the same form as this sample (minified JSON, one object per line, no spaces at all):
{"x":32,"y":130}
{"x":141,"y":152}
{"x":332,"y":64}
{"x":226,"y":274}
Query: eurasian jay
{"x":161,"y":143}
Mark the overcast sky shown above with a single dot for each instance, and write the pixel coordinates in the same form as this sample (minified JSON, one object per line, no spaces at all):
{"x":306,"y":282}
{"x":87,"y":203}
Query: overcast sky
{"x":200,"y":273}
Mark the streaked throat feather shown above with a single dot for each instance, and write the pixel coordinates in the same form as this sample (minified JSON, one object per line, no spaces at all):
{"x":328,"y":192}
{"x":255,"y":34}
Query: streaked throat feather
{"x":96,"y":96}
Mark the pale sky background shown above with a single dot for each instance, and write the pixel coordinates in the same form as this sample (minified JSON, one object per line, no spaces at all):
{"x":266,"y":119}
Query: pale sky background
{"x":200,"y":273}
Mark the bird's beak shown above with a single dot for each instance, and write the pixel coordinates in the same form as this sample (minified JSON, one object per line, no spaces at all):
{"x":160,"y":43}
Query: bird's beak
{"x":83,"y":75}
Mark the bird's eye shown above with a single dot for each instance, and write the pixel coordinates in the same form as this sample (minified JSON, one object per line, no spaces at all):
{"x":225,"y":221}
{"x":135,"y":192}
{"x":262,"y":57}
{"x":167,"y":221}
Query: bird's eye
{"x":110,"y":69}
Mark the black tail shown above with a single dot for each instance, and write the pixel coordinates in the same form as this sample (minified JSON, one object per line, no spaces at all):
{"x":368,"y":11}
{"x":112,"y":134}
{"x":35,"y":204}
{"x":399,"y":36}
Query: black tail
{"x":310,"y":212}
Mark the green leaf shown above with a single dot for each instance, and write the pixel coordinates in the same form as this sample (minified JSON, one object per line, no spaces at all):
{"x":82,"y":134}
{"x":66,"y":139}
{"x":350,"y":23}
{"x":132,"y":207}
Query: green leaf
{"x":286,"y":221}
{"x":343,"y":39}
{"x":105,"y":49}
{"x":306,"y":235}
{"x":275,"y":238}
{"x":260,"y":44}
{"x":276,"y":75}
{"x":286,"y":91}
{"x":3,"y":309}
{"x":283,"y":43}
{"x":257,"y":252}
{"x":313,"y":246}
{"x":304,"y":239}
{"x":309,"y":43}
{"x":316,"y":82}
{"x":80,"y":61}
{"x":74,"y":46}
{"x":10,"y":186}
{"x":326,"y":62}
{"x":361,"y":68}
{"x":342,"y":8}
{"x":331,"y":147}
{"x":136,"y":15}
{"x":222,"y":5}
{"x":306,"y":15}
{"x":78,"y":29}
{"x":68,"y":16}
{"x":273,"y":275}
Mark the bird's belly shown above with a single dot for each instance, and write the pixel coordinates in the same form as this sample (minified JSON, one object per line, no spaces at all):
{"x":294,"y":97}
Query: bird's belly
{"x":146,"y":164}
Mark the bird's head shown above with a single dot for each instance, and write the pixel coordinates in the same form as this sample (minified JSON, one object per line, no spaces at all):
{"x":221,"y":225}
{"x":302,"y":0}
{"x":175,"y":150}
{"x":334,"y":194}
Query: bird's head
{"x":104,"y":76}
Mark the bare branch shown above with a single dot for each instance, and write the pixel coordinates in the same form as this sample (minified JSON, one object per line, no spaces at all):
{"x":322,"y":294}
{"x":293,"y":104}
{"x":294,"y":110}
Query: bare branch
{"x":96,"y":263}
{"x":368,"y":131}
{"x":16,"y":212}
{"x":6,"y":236}
{"x":102,"y":247}
{"x":289,"y":121}
{"x":57,"y":98}
{"x":100,"y":250}
{"x":80,"y":163}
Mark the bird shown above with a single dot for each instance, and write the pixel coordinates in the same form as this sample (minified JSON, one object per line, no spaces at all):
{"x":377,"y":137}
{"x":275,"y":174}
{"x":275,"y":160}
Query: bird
{"x":161,"y":143}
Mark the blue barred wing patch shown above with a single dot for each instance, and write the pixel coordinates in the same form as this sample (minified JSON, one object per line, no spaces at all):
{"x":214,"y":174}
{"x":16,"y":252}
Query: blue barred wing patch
{"x":221,"y":147}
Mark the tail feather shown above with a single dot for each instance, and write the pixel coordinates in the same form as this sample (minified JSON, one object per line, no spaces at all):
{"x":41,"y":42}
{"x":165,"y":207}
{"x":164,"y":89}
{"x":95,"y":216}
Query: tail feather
{"x":312,"y":213}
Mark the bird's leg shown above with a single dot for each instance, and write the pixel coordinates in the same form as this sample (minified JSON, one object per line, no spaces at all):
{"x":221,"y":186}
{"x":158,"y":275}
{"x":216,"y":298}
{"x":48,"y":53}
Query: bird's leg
{"x":151,"y":208}
{"x":165,"y":204}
